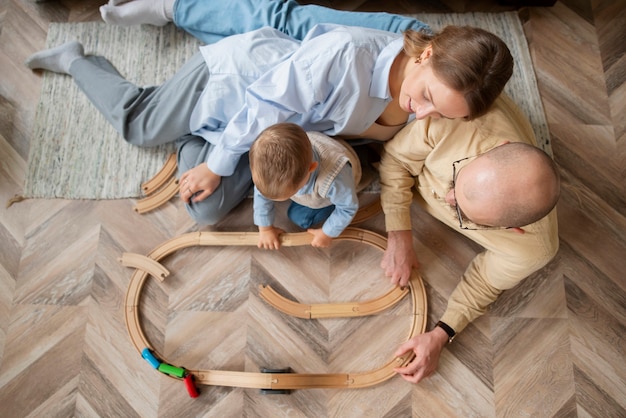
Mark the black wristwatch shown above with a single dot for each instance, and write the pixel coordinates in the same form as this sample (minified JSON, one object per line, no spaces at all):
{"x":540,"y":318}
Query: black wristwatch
{"x":448,"y":329}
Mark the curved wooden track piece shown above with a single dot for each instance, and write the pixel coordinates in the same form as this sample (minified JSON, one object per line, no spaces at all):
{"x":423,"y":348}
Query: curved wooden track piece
{"x":276,"y":380}
{"x":332,"y":310}
{"x":159,"y":198}
{"x":156,"y":182}
{"x":367,"y":212}
{"x":141,"y":262}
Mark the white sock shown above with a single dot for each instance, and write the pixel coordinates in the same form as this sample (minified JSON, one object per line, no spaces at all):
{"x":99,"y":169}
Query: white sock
{"x":56,"y":59}
{"x":138,"y":12}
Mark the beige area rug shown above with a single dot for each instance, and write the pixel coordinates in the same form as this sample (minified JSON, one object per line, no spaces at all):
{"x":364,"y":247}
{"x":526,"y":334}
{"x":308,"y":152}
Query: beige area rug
{"x":75,"y":154}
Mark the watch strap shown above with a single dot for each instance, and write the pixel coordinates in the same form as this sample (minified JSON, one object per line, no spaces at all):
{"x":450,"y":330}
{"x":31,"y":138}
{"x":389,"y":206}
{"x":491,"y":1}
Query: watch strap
{"x":448,"y":329}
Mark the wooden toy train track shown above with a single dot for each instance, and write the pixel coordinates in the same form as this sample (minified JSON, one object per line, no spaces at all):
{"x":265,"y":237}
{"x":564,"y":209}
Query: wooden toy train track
{"x":271,"y":380}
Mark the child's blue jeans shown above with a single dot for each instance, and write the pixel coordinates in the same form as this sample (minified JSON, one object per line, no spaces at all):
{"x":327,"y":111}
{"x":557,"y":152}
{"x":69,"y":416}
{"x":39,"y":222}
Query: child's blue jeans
{"x":306,"y":217}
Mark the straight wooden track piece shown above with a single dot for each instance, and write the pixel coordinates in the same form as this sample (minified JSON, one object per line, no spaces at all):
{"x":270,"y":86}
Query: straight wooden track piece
{"x":252,"y":239}
{"x":167,"y":171}
{"x":159,"y":198}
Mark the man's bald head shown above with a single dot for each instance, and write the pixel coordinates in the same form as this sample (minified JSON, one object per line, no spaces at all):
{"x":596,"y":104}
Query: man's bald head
{"x":512,"y":185}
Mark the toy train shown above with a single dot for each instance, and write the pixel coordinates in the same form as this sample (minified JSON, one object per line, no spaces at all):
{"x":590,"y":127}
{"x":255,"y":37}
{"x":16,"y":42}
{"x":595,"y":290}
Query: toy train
{"x":171,"y":370}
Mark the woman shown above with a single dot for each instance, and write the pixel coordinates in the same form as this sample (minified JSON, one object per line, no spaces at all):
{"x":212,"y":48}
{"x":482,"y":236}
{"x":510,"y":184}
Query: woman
{"x":210,"y":21}
{"x":354,"y":82}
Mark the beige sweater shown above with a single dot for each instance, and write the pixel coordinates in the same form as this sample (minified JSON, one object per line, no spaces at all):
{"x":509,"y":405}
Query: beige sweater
{"x":420,"y":158}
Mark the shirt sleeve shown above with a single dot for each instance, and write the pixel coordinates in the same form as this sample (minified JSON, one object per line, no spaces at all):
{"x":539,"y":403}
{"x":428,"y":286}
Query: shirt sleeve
{"x":263,"y":209}
{"x":342,"y":194}
{"x":401,"y":163}
{"x":322,"y":86}
{"x":271,"y":99}
{"x":312,"y":88}
{"x":507,"y":260}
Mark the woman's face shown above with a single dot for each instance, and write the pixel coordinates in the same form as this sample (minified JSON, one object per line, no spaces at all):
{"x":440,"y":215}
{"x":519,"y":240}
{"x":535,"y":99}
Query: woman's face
{"x":425,"y":95}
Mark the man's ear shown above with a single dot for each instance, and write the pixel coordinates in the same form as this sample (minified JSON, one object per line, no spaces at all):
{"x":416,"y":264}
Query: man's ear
{"x":313,"y":166}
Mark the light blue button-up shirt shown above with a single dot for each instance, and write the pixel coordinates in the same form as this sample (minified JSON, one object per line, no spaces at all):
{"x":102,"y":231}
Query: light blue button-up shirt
{"x":341,"y":193}
{"x":335,"y":81}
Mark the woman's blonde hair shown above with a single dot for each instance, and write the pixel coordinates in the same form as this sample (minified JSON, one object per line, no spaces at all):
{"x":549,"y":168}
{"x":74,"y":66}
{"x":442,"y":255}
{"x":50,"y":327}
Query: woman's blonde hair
{"x":469,"y":60}
{"x":280,"y":159}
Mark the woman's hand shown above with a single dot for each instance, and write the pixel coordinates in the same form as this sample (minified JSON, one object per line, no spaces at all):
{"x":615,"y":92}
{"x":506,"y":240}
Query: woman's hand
{"x":199,"y":182}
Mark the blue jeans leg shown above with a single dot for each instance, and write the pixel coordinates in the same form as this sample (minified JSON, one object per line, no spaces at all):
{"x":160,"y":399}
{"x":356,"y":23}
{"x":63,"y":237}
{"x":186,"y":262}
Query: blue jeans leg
{"x":306,"y":217}
{"x":210,"y":20}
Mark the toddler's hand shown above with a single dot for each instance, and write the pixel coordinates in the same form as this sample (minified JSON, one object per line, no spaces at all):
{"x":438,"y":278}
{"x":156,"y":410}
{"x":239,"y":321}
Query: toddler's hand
{"x":320,"y":239}
{"x":269,"y":237}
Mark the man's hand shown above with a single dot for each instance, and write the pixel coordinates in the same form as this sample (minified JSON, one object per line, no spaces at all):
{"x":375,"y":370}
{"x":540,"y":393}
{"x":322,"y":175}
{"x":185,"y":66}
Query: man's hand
{"x":399,"y":258}
{"x":269,"y":237}
{"x":427,"y":348}
{"x":320,"y":239}
{"x":199,"y":181}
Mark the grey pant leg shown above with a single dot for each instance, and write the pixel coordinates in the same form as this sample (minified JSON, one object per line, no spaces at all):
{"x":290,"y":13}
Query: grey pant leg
{"x":148,"y":116}
{"x":193,"y":151}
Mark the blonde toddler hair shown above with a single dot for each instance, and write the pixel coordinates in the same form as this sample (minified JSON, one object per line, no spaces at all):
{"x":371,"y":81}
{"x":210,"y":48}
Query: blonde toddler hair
{"x":280,"y":159}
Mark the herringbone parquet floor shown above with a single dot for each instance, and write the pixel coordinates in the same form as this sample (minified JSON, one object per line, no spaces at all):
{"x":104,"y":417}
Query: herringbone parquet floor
{"x":553,"y":346}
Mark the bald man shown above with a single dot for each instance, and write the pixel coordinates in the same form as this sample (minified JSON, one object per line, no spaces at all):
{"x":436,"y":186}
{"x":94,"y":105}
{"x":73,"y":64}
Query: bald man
{"x":485,"y":179}
{"x":513,"y":184}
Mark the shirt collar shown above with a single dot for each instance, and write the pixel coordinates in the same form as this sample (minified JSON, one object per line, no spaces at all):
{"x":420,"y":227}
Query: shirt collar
{"x":380,"y":77}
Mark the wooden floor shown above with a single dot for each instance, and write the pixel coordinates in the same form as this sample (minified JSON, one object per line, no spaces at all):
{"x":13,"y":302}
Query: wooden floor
{"x":553,"y":346}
